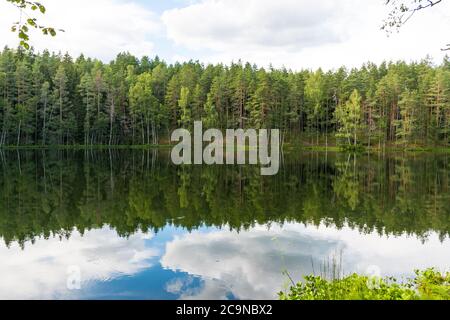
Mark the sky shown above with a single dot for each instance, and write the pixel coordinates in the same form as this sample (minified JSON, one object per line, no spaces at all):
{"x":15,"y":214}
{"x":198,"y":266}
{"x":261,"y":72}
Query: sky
{"x":208,"y":263}
{"x":295,"y":34}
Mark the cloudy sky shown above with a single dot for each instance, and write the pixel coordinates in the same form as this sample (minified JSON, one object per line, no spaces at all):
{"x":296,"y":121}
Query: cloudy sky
{"x":241,"y":260}
{"x":205,"y":264}
{"x":292,"y":33}
{"x":41,"y":270}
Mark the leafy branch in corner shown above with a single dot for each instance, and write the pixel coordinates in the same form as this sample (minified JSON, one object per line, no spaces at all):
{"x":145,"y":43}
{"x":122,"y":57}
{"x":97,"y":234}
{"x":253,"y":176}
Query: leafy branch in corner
{"x":403,"y":10}
{"x":23,"y":26}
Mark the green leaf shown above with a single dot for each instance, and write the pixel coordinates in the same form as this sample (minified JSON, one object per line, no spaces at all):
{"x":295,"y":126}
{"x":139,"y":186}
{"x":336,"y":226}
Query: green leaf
{"x":32,"y":22}
{"x":23,"y":35}
{"x":25,"y":45}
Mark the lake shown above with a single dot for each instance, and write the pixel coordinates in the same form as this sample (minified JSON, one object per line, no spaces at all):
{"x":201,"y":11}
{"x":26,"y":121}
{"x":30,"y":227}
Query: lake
{"x":128,"y":224}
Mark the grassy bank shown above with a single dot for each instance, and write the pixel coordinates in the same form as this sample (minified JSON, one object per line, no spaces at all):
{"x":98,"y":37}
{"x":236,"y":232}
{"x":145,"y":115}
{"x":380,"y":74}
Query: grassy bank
{"x":287,"y":147}
{"x":83,"y":147}
{"x":426,"y":285}
{"x":371,"y":150}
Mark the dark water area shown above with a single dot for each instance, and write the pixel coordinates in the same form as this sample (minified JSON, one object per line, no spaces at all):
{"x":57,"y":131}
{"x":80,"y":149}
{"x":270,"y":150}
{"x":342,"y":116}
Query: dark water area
{"x":128,"y":224}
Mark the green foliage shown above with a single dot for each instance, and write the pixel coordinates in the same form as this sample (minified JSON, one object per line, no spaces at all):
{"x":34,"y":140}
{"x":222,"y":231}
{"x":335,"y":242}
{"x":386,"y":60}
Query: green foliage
{"x":409,"y":109}
{"x":348,"y":117}
{"x":139,"y":101}
{"x":185,"y":108}
{"x":45,"y":192}
{"x":428,"y":285}
{"x":211,"y":118}
{"x":314,"y":93}
{"x":23,"y":28}
{"x":146,"y":110}
{"x":62,"y":118}
{"x":433,"y":285}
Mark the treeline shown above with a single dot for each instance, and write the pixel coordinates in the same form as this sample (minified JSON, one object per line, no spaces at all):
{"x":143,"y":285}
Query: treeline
{"x":49,"y":99}
{"x":47,"y":193}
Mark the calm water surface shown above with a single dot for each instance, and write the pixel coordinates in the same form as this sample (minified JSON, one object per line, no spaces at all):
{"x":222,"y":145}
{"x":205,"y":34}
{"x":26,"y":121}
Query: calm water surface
{"x":136,"y":227}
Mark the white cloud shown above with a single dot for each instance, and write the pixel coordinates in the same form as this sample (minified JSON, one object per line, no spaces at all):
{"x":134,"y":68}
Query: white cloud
{"x":301,"y":33}
{"x":99,"y":28}
{"x":177,"y":285}
{"x":292,"y":33}
{"x":249,"y":264}
{"x":257,"y":24}
{"x":40,"y":271}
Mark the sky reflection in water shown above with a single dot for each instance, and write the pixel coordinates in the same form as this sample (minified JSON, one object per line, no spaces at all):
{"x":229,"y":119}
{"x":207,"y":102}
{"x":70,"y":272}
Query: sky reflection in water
{"x":150,"y":230}
{"x":204,"y":264}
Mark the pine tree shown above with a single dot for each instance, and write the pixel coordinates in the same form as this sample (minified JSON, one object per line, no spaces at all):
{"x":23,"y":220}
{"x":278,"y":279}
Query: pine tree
{"x":86,"y":91}
{"x":44,"y":99}
{"x":3,"y":101}
{"x":296,"y":101}
{"x":405,"y":127}
{"x":8,"y":68}
{"x":314,"y":93}
{"x":261,"y":101}
{"x":171,"y":99}
{"x":146,"y":108}
{"x":101,"y":118}
{"x":24,"y":113}
{"x":211,"y":117}
{"x":438,"y":99}
{"x":218,"y":102}
{"x":61,"y":120}
{"x":198,"y":102}
{"x":240,"y":97}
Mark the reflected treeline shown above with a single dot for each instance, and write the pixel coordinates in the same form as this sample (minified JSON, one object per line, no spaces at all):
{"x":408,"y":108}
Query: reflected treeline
{"x":45,"y":193}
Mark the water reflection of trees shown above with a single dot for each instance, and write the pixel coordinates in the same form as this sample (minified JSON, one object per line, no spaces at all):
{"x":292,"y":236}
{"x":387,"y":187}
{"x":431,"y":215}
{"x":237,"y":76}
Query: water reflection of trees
{"x":45,"y":193}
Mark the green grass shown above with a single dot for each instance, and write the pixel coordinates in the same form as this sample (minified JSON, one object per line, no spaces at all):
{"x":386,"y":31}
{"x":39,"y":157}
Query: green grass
{"x":290,"y":147}
{"x":372,"y":149}
{"x":426,"y":285}
{"x":83,"y":147}
{"x":287,"y":147}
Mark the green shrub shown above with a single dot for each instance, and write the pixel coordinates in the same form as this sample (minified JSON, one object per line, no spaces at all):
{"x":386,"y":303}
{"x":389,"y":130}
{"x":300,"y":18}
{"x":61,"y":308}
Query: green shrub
{"x":427,"y":285}
{"x":433,"y":285}
{"x":352,"y":148}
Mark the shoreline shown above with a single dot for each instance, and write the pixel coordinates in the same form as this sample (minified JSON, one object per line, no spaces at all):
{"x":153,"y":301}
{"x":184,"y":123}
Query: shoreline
{"x":286,"y":148}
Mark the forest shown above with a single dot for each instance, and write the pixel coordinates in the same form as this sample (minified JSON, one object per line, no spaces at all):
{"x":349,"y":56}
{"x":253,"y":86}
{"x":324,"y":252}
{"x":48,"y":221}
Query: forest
{"x":49,"y":99}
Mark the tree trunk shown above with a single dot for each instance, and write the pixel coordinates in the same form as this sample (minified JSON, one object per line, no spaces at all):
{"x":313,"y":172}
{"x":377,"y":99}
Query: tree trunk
{"x":111,"y":120}
{"x":60,"y":117}
{"x":18,"y":133}
{"x":45,"y":122}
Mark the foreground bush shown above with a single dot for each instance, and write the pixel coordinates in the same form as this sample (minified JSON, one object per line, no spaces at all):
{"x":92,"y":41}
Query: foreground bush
{"x":427,"y":285}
